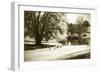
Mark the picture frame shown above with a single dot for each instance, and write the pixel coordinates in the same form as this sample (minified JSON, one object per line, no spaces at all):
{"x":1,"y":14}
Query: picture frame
{"x":17,"y":37}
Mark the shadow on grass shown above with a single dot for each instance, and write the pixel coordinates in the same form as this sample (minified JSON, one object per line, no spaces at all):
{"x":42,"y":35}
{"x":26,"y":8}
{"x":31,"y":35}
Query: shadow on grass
{"x":83,"y":56}
{"x":34,"y":46}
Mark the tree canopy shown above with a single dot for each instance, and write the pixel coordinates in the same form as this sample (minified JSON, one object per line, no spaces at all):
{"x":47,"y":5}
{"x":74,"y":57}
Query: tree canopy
{"x":42,"y":25}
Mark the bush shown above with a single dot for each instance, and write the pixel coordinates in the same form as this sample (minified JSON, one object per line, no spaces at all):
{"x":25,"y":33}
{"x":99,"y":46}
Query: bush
{"x":63,"y":42}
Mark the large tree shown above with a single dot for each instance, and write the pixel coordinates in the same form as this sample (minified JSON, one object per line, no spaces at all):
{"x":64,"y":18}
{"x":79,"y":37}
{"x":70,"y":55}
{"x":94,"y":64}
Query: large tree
{"x":42,"y":25}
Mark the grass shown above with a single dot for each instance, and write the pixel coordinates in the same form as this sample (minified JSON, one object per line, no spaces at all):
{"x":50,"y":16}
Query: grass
{"x":34,"y":46}
{"x":83,"y":56}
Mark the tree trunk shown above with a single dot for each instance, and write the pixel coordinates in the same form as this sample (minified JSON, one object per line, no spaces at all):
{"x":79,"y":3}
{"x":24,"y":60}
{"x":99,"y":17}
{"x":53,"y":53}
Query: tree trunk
{"x":79,"y":40}
{"x":38,"y":41}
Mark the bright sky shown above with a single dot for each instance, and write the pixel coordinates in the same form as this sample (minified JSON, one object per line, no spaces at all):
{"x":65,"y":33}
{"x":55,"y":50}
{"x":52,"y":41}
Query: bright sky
{"x":71,"y":18}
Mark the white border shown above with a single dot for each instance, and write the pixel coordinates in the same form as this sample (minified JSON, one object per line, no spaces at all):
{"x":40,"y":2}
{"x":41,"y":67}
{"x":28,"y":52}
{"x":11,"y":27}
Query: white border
{"x":18,"y":37}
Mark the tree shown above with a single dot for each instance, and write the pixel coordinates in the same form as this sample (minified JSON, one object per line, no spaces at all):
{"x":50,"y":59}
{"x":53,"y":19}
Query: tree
{"x":42,"y":25}
{"x":86,"y":23}
{"x":80,"y":27}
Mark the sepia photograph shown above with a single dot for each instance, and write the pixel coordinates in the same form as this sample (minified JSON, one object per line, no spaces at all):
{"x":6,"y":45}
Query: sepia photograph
{"x":51,"y":36}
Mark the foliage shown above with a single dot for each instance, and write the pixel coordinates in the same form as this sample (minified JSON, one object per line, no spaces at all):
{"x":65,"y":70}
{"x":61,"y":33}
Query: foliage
{"x":79,"y":28}
{"x":42,"y":25}
{"x":63,"y":41}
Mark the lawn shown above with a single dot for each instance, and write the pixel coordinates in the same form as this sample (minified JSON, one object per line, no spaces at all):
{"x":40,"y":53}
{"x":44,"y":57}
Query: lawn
{"x":50,"y":51}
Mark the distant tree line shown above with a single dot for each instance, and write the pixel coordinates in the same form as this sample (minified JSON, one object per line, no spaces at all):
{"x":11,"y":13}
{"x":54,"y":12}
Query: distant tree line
{"x":75,"y":31}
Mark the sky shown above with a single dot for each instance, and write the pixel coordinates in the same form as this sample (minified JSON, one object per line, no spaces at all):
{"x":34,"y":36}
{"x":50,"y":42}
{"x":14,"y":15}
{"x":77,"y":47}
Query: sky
{"x":71,"y":18}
